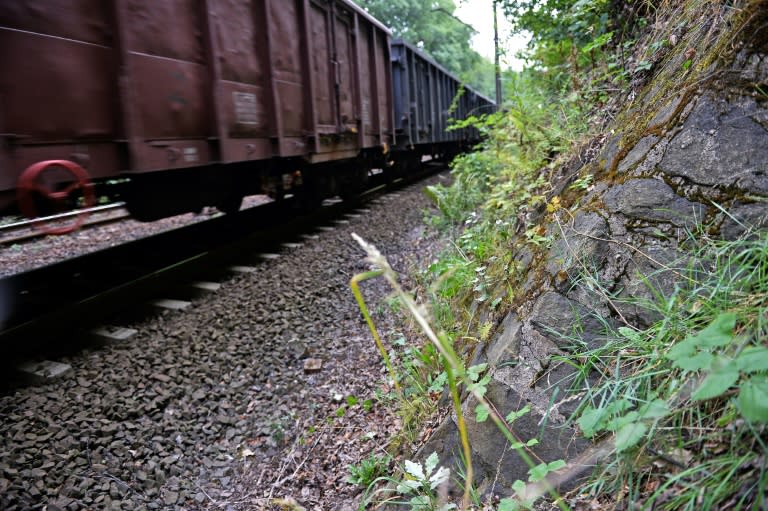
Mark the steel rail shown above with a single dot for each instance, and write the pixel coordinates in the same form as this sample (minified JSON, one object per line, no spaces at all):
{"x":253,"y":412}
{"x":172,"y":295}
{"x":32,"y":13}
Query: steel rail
{"x":76,"y":293}
{"x":60,"y":216}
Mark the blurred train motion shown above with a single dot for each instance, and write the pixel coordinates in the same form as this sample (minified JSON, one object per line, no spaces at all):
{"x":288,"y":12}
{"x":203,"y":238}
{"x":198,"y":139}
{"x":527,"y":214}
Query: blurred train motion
{"x":181,"y":104}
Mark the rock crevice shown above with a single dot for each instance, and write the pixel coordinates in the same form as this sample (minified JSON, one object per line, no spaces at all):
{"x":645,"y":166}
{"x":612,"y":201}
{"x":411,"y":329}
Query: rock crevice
{"x":703,"y":169}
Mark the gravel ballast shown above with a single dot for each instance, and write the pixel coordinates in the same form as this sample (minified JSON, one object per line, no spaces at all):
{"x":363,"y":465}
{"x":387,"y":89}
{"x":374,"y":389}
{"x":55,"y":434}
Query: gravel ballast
{"x":37,"y":252}
{"x":266,"y":389}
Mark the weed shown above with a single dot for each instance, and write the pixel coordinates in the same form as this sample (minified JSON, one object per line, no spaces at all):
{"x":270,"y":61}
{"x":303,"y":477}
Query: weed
{"x":686,"y":400}
{"x":582,"y":183}
{"x":418,"y":488}
{"x":277,"y":431}
{"x":422,"y":482}
{"x":473,"y":379}
{"x":368,"y":470}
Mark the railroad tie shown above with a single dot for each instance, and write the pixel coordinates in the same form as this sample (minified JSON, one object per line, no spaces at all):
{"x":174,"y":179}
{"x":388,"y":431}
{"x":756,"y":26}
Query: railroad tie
{"x":176,"y":305}
{"x":114,"y":334}
{"x":206,"y":286}
{"x":45,"y":370}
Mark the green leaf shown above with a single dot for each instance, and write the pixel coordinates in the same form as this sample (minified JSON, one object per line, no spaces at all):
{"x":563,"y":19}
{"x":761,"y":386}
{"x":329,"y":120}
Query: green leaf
{"x":415,"y":469}
{"x":475,"y":371}
{"x":656,"y":409}
{"x":481,"y":413}
{"x":514,"y":415}
{"x":702,"y":360}
{"x":518,"y":486}
{"x":618,"y":406}
{"x":433,"y":193}
{"x":508,"y":504}
{"x":439,"y":477}
{"x":556,"y":465}
{"x":718,"y":333}
{"x":629,"y":435}
{"x":723,"y":375}
{"x":598,"y":42}
{"x":753,"y":359}
{"x":519,"y":445}
{"x":619,"y":422}
{"x":541,"y":470}
{"x":538,"y":472}
{"x":431,"y":463}
{"x":630,"y":333}
{"x":420,"y":502}
{"x":408,"y":486}
{"x":682,"y":349}
{"x":643,"y":65}
{"x":481,"y":387}
{"x":589,"y":421}
{"x":753,"y":399}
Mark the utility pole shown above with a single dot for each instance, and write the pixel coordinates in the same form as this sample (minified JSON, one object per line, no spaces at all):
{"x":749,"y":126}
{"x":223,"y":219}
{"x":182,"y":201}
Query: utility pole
{"x":497,"y":65}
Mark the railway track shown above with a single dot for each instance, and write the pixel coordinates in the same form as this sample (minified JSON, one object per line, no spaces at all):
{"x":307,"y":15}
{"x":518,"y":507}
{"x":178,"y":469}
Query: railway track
{"x":40,"y":306}
{"x":232,"y":402}
{"x":28,"y":230}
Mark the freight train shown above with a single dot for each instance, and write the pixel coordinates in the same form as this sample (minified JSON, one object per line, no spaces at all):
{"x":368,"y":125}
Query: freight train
{"x":182,"y":104}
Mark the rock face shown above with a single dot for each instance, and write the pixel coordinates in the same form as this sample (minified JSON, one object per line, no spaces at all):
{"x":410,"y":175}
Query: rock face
{"x":701,"y":163}
{"x":722,"y":144}
{"x":653,"y":200}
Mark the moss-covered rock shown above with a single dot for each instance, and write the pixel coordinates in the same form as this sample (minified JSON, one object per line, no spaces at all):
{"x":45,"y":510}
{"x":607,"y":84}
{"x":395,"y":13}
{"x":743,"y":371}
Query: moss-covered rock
{"x":689,"y":152}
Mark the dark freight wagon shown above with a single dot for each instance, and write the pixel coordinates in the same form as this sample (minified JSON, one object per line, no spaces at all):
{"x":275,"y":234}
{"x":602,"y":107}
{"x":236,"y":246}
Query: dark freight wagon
{"x":426,"y":98}
{"x":199,"y":102}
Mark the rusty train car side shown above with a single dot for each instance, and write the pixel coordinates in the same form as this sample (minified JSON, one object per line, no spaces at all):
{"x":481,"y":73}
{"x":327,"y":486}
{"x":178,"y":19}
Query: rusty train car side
{"x":197,"y":102}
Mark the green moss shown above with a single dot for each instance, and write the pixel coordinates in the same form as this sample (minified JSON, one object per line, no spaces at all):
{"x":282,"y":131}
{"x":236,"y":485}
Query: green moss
{"x":708,"y":43}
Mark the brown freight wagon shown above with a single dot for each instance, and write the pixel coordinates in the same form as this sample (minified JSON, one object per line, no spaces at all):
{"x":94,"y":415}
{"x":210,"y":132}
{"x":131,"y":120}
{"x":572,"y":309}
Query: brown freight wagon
{"x":199,"y":102}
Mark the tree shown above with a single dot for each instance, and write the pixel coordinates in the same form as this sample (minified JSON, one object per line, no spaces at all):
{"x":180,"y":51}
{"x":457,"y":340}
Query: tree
{"x":431,"y":26}
{"x":574,"y":40}
{"x":562,"y":30}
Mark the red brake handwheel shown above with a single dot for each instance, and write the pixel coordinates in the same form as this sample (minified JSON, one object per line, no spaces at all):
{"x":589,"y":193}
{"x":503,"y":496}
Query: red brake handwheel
{"x":29,"y":184}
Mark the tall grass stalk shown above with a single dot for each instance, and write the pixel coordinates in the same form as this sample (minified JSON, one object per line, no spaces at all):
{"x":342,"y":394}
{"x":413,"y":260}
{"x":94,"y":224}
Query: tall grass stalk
{"x":457,"y":374}
{"x":684,"y":397}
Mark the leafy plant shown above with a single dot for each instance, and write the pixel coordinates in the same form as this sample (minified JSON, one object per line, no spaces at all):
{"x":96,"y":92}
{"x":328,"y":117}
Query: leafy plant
{"x":708,"y":352}
{"x":691,"y":390}
{"x":456,"y":374}
{"x":582,"y":183}
{"x":629,"y":425}
{"x":535,"y":474}
{"x":643,"y":65}
{"x":368,"y":470}
{"x":421,"y":483}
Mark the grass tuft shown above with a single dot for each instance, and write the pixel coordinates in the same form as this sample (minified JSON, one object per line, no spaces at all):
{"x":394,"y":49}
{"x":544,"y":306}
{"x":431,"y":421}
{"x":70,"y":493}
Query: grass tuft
{"x":686,"y":400}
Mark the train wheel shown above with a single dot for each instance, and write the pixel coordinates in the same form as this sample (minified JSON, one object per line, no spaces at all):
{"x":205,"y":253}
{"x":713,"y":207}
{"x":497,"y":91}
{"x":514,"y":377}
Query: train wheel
{"x":53,"y":184}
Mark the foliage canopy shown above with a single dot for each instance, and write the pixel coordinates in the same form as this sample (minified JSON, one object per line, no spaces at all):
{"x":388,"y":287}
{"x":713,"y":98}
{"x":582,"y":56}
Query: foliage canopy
{"x":432,"y":27}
